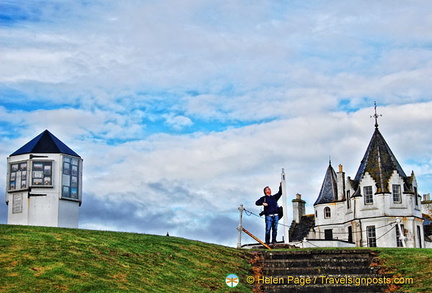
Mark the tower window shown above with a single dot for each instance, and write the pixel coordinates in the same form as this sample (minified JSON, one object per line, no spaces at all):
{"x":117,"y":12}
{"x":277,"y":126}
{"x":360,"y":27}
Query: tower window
{"x":18,"y":176}
{"x":368,"y":198}
{"x":327,"y":213}
{"x":42,"y":173}
{"x":71,"y":178}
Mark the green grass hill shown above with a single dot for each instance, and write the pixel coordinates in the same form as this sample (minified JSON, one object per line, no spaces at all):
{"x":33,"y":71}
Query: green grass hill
{"x":42,"y":259}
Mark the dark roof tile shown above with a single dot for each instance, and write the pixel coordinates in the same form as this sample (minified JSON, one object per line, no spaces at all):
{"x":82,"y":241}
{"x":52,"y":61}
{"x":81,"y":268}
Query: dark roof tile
{"x":328,"y":192}
{"x":298,"y":231}
{"x":380,"y":162}
{"x":45,"y":142}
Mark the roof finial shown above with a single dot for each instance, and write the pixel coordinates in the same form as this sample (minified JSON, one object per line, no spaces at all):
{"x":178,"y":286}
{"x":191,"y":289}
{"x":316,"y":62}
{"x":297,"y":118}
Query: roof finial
{"x":376,"y":116}
{"x":329,"y":160}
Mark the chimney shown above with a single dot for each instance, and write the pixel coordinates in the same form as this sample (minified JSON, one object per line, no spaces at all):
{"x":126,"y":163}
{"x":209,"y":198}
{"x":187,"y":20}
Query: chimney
{"x":298,"y":208}
{"x":426,"y":204}
{"x":340,"y":183}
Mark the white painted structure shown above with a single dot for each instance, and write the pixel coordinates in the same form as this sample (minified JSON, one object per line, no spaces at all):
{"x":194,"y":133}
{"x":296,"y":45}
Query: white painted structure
{"x":382,"y":219}
{"x":44,"y":184}
{"x":380,"y":207}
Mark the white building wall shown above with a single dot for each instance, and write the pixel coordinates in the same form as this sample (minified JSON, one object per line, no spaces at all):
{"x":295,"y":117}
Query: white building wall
{"x":17,"y":208}
{"x":381,"y":214}
{"x":367,"y":210}
{"x":336,"y":221}
{"x":68,"y":214}
{"x":43,"y":206}
{"x":43,"y":210}
{"x":313,"y":243}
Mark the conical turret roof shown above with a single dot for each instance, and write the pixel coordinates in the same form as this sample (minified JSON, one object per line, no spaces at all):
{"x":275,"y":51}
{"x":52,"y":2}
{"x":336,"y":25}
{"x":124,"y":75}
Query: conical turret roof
{"x":380,"y":162}
{"x":45,"y":142}
{"x":328,"y":192}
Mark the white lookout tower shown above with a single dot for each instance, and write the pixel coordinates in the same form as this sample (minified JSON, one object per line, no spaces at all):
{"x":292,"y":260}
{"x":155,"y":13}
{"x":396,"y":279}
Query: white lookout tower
{"x":44,"y":183}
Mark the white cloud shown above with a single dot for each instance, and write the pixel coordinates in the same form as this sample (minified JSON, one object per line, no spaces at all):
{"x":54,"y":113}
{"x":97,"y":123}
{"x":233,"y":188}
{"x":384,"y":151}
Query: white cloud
{"x":185,"y":110}
{"x":177,"y":122}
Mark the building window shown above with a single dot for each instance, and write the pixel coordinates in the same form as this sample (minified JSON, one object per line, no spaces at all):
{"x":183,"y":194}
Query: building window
{"x":70,"y":178}
{"x":328,"y":234}
{"x":416,"y":196}
{"x":350,"y":234}
{"x":419,"y":236}
{"x":348,"y":199}
{"x":327,"y":213}
{"x":42,"y":173}
{"x":368,"y":198}
{"x":371,"y":236}
{"x":17,"y":176}
{"x":398,"y":234}
{"x":397,"y":198}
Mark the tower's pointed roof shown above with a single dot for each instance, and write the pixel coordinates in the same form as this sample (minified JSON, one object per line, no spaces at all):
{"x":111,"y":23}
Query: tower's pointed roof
{"x":328,"y":192}
{"x":45,"y":142}
{"x":380,"y":162}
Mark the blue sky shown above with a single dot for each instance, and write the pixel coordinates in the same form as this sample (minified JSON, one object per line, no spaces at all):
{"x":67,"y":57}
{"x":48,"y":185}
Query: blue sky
{"x":182,"y":110}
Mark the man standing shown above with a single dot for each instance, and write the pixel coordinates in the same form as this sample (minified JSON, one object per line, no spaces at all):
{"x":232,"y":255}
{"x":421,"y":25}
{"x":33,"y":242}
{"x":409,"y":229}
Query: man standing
{"x":269,"y":202}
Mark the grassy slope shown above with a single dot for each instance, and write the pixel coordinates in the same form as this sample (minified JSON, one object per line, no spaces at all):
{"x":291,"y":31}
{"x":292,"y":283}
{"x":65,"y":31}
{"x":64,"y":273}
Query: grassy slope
{"x":39,"y":259}
{"x":413,"y":263}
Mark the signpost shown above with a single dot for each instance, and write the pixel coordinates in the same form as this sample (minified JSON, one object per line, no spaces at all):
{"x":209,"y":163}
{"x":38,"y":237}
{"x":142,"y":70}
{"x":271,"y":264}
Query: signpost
{"x":284,"y":205}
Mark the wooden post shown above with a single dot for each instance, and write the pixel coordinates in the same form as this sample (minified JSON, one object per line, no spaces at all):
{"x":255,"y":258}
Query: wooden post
{"x":253,"y":236}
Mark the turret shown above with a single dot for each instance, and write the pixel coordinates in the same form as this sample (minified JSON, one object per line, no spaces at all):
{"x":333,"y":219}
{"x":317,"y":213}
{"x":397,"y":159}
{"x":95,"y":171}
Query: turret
{"x":44,"y":183}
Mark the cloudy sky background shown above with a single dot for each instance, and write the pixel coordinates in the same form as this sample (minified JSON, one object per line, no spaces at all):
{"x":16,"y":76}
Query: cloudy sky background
{"x":183,"y":110}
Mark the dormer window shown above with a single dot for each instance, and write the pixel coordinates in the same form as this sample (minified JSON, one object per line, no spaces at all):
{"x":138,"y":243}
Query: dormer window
{"x":368,"y":198}
{"x":327,"y":213}
{"x":397,"y":198}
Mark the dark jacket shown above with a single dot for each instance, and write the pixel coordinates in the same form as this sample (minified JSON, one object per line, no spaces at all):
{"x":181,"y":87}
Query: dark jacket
{"x":271,"y":200}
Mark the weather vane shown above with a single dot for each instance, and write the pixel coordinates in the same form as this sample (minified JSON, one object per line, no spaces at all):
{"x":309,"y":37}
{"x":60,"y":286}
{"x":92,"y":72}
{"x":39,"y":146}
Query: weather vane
{"x":376,"y":116}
